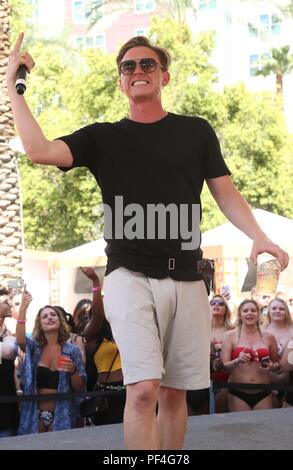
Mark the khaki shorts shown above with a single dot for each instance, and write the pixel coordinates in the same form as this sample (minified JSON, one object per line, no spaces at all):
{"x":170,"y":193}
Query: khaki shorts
{"x":161,"y":327}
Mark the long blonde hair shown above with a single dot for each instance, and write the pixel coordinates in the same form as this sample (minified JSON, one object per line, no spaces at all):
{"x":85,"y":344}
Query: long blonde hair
{"x":38,"y":333}
{"x":239,"y":319}
{"x":288,"y":319}
{"x":227,"y":316}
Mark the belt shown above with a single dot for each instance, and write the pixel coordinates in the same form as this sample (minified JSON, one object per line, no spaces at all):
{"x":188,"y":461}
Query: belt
{"x":170,"y":264}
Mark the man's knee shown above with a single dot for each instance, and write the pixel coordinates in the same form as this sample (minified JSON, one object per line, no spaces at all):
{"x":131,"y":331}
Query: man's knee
{"x":143,"y":394}
{"x":172,"y":397}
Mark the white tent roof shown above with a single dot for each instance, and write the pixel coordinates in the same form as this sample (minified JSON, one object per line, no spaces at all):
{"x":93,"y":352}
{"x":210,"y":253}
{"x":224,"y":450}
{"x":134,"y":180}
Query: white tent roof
{"x":89,"y":254}
{"x":278,"y":228}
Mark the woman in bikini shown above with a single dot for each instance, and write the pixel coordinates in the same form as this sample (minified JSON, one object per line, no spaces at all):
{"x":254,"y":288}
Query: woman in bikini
{"x":249,"y":355}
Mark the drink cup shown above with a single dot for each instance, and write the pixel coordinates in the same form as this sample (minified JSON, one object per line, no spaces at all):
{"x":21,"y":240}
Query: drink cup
{"x":267,"y":276}
{"x":61,"y":361}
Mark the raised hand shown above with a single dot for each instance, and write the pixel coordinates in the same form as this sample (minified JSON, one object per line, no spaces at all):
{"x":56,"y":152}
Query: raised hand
{"x":26,"y":299}
{"x":17,"y":58}
{"x":90,"y":273}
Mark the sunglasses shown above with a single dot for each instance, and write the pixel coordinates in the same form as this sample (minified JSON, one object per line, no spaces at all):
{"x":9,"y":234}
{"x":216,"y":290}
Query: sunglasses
{"x":148,"y":65}
{"x":217,"y":302}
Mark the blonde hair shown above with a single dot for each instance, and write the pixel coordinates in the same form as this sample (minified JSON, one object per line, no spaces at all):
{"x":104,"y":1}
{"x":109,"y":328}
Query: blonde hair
{"x":239,"y":319}
{"x":228,"y":314}
{"x":63,"y":333}
{"x":288,"y":319}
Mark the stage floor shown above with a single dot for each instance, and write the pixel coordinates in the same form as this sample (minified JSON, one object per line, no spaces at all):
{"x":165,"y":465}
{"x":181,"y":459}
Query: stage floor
{"x":232,"y":431}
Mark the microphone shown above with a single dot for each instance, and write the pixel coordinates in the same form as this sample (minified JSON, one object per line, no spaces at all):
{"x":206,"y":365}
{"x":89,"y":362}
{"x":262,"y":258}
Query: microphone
{"x":20,"y":83}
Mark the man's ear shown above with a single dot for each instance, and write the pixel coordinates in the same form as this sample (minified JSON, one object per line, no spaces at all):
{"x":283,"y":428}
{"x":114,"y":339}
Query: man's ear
{"x":166,"y":78}
{"x":120,"y":85}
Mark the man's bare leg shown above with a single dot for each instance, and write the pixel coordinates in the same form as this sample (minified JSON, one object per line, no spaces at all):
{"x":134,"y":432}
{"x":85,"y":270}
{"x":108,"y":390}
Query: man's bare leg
{"x":172,"y":418}
{"x":140,"y":422}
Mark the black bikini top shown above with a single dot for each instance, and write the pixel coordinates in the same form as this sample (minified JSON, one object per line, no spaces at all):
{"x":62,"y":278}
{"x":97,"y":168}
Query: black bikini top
{"x":47,"y":378}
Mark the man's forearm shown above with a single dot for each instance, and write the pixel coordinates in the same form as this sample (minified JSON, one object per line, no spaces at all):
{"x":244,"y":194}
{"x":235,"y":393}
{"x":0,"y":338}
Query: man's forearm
{"x":234,"y":206}
{"x":32,"y":137}
{"x":237,"y":210}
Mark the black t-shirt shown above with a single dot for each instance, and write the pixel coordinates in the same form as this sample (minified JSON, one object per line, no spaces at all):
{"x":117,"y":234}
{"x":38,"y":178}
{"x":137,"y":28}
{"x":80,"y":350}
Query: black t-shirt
{"x":146,"y":164}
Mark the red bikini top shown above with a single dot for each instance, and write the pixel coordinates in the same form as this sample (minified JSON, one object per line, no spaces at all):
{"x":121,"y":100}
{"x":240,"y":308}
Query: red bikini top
{"x":255,"y":354}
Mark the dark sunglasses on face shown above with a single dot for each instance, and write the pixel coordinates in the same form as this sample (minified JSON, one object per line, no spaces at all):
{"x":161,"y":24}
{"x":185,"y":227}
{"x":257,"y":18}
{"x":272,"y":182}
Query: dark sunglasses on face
{"x":217,"y":302}
{"x":148,"y":65}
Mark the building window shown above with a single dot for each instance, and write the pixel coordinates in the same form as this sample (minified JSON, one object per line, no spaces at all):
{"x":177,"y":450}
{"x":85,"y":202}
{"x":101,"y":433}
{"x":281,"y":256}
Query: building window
{"x":89,"y":41}
{"x":253,"y":31}
{"x":264,"y":21}
{"x":144,"y":5}
{"x":140,"y":32}
{"x":257,"y":61}
{"x":79,"y":42}
{"x":265,"y":25}
{"x":276,"y":25}
{"x":100,"y":41}
{"x":78,"y":11}
{"x":207,"y":5}
{"x":253,"y":63}
{"x":35,"y":5}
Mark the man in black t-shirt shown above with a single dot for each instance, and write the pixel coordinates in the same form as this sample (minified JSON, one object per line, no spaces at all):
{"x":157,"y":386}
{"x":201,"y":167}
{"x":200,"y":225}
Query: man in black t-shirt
{"x":150,"y":167}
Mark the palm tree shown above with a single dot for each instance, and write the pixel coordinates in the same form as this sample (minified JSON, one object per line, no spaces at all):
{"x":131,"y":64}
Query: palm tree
{"x":177,"y":9}
{"x":10,"y":208}
{"x":96,"y":9}
{"x":286,"y":9}
{"x":280,"y":64}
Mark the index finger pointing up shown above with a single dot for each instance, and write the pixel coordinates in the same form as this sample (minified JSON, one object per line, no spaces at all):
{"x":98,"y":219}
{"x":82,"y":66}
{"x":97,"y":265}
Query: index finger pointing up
{"x":18,"y":43}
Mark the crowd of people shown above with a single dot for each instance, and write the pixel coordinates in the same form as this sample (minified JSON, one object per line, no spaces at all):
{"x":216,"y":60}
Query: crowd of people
{"x":64,"y":353}
{"x":251,"y":350}
{"x":74,"y":353}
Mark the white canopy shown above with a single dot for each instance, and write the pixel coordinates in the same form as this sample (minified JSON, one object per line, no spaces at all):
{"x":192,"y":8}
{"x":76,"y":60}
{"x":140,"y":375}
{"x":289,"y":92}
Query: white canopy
{"x":277,"y":227}
{"x":89,"y":254}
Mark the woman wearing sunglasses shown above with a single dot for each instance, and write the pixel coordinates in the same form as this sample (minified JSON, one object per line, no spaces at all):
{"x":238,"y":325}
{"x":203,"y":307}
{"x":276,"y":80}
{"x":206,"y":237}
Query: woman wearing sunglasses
{"x":221,"y":323}
{"x":151,"y":162}
{"x":249,"y":354}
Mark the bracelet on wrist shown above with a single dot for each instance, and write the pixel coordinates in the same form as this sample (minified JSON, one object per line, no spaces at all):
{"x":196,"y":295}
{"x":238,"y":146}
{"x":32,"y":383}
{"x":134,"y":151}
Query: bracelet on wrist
{"x":22,"y":322}
{"x":96,"y":289}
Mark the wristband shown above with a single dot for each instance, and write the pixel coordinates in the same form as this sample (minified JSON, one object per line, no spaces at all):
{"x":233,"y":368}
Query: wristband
{"x":22,"y":322}
{"x":96,"y":289}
